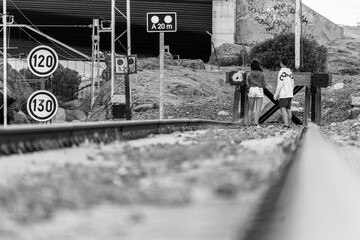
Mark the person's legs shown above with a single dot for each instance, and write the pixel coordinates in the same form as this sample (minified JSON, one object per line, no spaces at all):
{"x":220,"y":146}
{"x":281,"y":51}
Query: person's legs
{"x":258,"y":101}
{"x":250,"y":110}
{"x":285,"y":108}
{"x":289,"y":116}
{"x":284,"y":114}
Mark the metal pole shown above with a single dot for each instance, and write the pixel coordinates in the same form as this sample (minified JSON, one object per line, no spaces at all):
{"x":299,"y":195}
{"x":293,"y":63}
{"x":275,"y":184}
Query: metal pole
{"x":95,"y":24}
{"x":4,"y":18}
{"x":128,"y":27}
{"x":112,"y":47}
{"x":297,"y":33}
{"x":127,"y":76}
{"x":161,"y":107}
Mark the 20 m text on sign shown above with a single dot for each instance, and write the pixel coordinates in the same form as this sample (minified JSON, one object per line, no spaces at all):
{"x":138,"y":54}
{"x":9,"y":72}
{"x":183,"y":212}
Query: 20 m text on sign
{"x":161,"y":22}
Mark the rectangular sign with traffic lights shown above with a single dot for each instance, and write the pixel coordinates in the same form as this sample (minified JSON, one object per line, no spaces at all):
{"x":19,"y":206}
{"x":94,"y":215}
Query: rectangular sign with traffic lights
{"x":161,"y":22}
{"x":126,"y":64}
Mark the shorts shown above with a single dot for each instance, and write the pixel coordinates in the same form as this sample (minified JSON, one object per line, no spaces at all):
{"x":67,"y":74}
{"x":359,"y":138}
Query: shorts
{"x":255,"y":92}
{"x":285,"y":103}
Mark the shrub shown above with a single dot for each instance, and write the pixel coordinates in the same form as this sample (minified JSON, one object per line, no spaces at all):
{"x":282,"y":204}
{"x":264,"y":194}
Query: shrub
{"x":65,"y":81}
{"x":270,"y":51}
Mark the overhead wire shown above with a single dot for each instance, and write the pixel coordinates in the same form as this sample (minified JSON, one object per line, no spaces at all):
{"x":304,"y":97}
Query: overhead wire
{"x":33,"y":38}
{"x":33,"y":25}
{"x":60,"y":47}
{"x":99,"y":15}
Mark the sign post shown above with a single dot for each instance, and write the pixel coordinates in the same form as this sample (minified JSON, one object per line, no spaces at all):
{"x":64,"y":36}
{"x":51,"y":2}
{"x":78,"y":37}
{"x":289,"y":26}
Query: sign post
{"x":161,"y":106}
{"x":297,"y":33}
{"x":161,"y":22}
{"x":4,"y":20}
{"x":42,"y":105}
{"x":42,"y":61}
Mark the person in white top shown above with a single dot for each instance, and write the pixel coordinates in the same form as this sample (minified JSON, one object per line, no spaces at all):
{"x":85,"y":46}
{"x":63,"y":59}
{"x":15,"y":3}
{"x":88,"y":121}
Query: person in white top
{"x":284,"y":91}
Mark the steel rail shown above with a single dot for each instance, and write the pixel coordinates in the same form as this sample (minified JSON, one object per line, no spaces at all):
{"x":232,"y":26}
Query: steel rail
{"x":29,"y":138}
{"x":316,"y":197}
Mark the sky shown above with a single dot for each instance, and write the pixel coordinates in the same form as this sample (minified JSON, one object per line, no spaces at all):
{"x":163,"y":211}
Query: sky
{"x":345,"y":12}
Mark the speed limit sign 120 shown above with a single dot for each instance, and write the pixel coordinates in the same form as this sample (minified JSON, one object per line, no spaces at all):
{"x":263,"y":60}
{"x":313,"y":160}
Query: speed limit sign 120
{"x":42,"y":105}
{"x":42,"y":61}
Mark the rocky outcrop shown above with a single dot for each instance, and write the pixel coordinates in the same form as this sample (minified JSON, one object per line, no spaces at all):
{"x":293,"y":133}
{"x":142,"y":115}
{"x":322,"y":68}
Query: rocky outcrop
{"x":18,"y":91}
{"x":229,"y":55}
{"x":257,"y":20}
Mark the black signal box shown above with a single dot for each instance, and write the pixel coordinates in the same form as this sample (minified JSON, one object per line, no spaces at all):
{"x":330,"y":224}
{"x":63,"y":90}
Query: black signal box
{"x":119,"y":110}
{"x":321,"y":80}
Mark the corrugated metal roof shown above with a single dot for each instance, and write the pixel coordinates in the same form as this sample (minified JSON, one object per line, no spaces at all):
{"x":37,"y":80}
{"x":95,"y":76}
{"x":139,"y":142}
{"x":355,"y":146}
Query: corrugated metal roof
{"x":191,"y":40}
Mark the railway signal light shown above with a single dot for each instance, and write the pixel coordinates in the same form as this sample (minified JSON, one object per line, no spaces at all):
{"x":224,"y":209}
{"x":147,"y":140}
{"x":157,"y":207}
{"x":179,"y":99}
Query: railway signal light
{"x":126,"y":64}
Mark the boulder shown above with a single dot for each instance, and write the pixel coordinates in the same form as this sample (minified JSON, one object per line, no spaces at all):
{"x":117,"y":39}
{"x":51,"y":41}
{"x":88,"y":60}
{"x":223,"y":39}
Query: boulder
{"x":144,"y":107}
{"x":196,"y":64}
{"x":76,"y":114}
{"x":20,"y":118}
{"x":354,"y":113}
{"x":60,"y":116}
{"x":18,"y":91}
{"x":228,"y":55}
{"x":223,"y":113}
{"x":337,"y":86}
{"x":83,"y":105}
{"x":355,"y":101}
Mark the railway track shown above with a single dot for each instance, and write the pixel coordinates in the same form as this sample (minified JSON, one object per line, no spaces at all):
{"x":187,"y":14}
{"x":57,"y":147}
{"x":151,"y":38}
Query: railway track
{"x":314,"y":196}
{"x":31,"y":138}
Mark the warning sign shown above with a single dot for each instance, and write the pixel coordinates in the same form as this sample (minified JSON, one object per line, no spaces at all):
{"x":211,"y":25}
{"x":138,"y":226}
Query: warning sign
{"x":161,"y":22}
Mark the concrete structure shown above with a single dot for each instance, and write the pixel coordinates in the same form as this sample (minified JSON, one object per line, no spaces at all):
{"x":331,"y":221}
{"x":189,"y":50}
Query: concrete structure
{"x":194,"y":18}
{"x":257,"y":20}
{"x":223,"y":22}
{"x":230,"y":21}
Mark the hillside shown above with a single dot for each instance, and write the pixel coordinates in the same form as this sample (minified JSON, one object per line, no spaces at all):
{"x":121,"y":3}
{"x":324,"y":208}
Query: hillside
{"x":203,"y":93}
{"x":257,"y":20}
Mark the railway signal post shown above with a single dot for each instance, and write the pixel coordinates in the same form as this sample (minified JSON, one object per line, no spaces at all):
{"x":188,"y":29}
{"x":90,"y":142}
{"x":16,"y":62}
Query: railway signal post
{"x":161,"y":22}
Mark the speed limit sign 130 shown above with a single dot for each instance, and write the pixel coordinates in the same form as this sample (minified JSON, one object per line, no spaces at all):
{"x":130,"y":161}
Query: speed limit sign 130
{"x":42,"y":61}
{"x":42,"y":105}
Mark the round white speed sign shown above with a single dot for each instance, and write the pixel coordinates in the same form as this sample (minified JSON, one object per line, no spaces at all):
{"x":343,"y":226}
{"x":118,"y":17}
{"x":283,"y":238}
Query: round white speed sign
{"x":42,"y":61}
{"x":42,"y":105}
